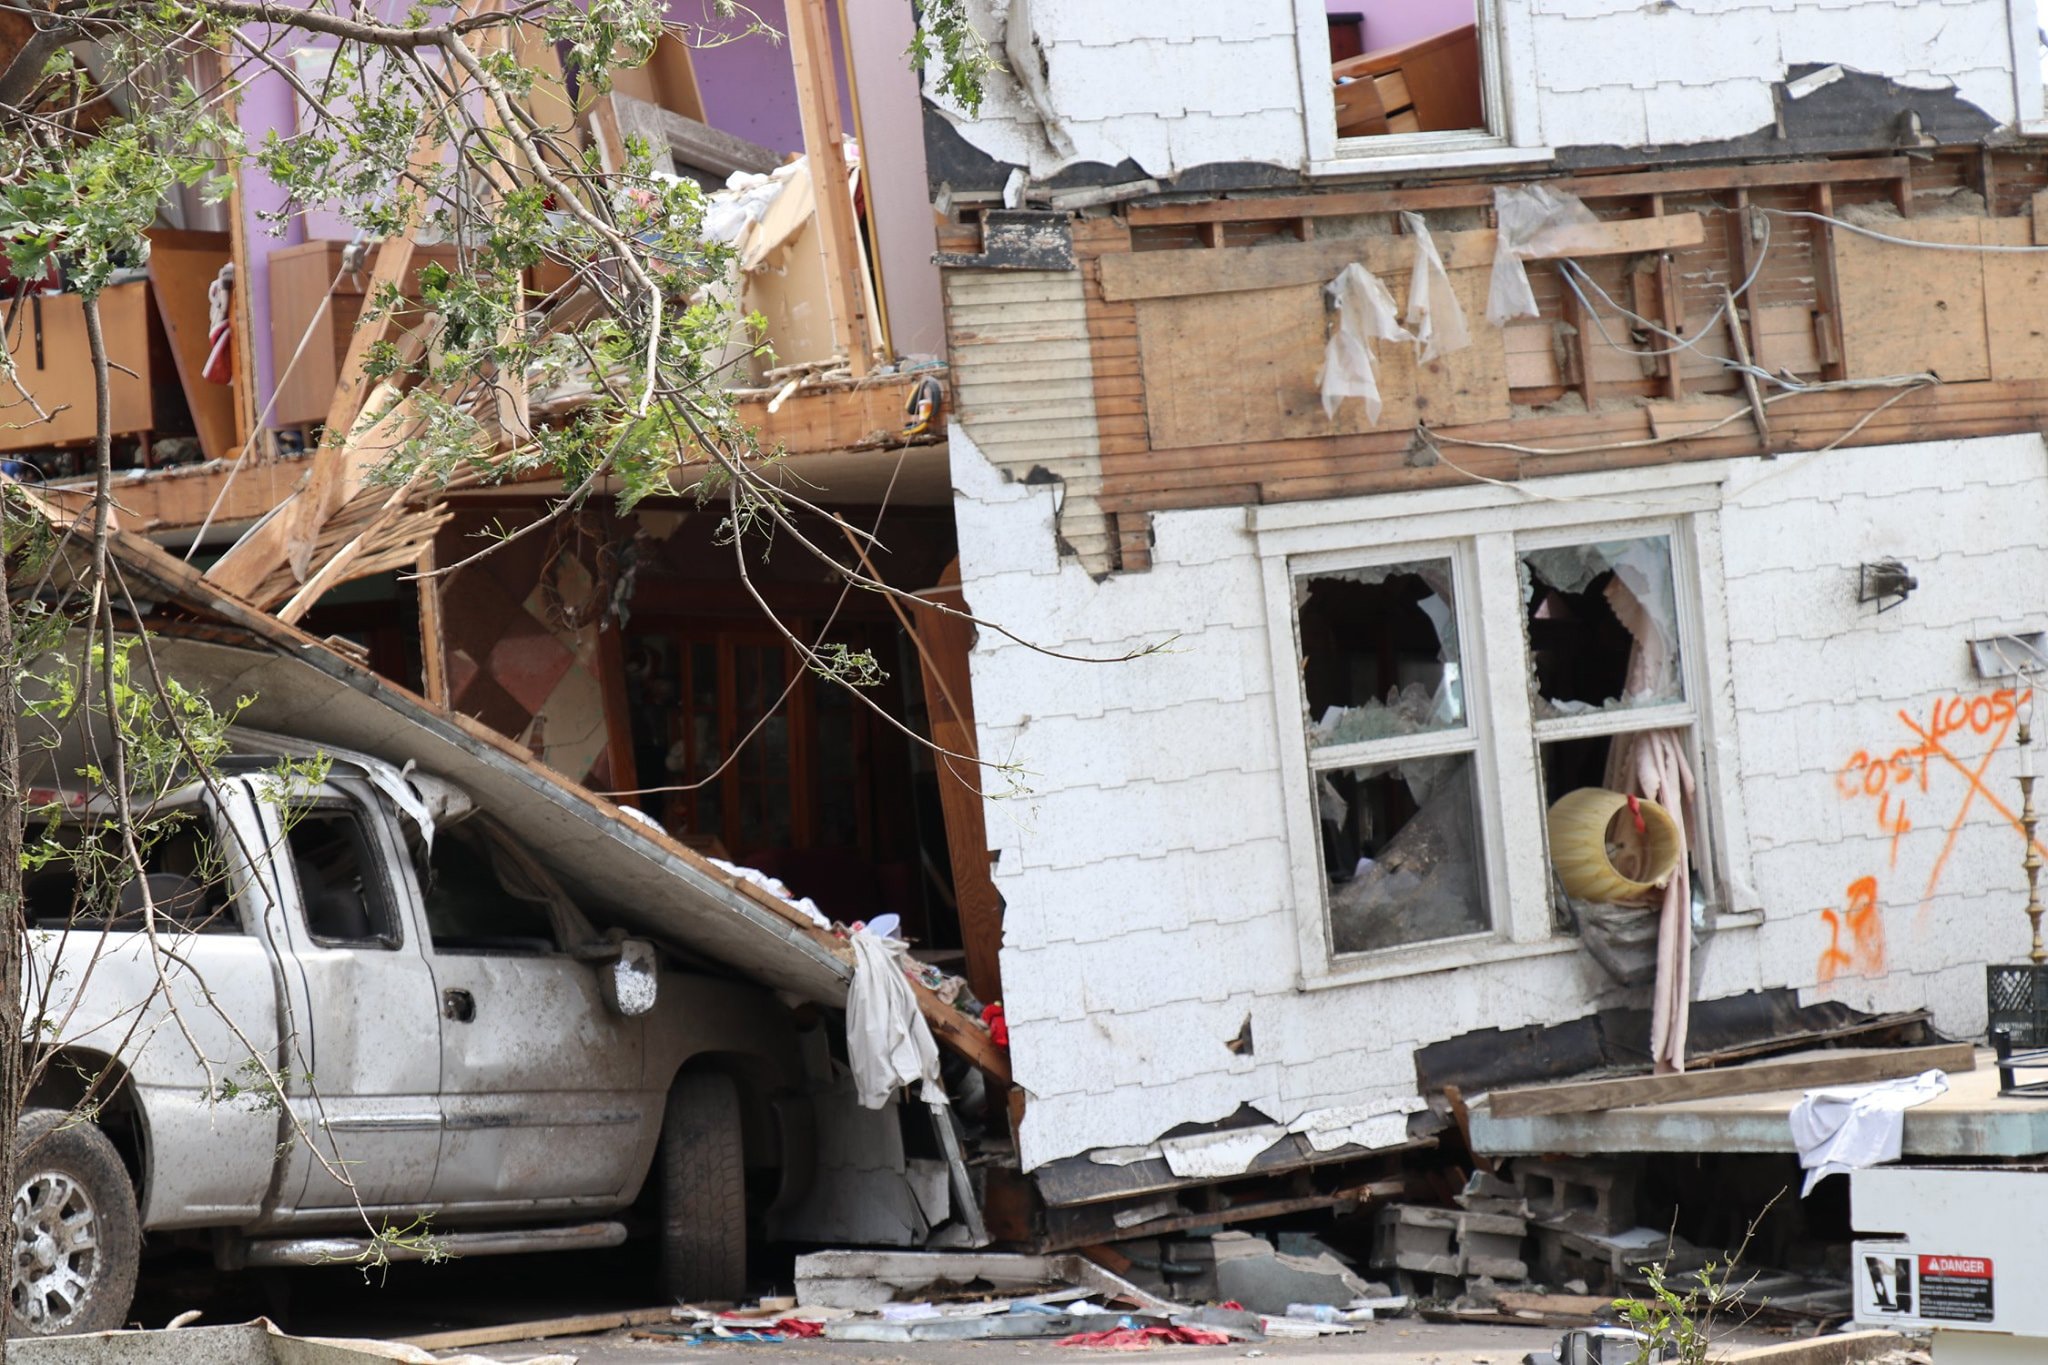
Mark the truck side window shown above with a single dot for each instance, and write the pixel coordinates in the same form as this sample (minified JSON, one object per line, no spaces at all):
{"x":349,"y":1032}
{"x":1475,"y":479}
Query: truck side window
{"x":187,"y":881}
{"x":343,"y":892}
{"x":476,"y":900}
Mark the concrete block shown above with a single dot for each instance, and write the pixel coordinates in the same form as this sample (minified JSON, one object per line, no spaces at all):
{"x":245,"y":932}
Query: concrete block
{"x":1420,"y":1239}
{"x":1580,"y":1196}
{"x":1250,"y":1271}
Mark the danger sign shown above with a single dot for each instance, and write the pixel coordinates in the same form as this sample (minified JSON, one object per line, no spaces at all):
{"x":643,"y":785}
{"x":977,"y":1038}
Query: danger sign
{"x":1956,"y":1288}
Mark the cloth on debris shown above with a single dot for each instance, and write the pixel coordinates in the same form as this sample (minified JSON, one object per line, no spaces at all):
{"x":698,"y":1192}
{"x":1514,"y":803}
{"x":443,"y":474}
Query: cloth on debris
{"x":774,"y":887}
{"x":887,"y":1039}
{"x":1145,"y":1338}
{"x":220,"y":328}
{"x":1845,"y":1128}
{"x":1530,"y":219}
{"x":1652,"y":765}
{"x":1435,"y":316}
{"x":1365,"y":312}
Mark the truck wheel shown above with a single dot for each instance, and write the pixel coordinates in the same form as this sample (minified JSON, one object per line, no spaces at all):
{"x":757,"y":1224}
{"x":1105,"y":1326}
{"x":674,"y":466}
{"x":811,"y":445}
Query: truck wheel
{"x":78,"y":1238}
{"x":703,"y":1191}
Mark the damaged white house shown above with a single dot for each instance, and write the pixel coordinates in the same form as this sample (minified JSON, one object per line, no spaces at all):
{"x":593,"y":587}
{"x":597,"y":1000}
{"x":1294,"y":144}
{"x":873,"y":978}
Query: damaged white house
{"x":1572,"y":477}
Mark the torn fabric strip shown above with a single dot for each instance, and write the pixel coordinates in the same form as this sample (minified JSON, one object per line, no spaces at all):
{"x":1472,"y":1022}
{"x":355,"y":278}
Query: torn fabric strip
{"x":1365,"y":312}
{"x":1435,"y":316}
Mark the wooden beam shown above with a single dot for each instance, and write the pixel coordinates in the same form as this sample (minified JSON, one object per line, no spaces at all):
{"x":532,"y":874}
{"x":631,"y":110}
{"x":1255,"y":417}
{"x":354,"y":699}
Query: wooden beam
{"x":540,"y":1329}
{"x":1216,"y":270}
{"x":1845,"y":1066}
{"x":433,"y":644}
{"x":1416,"y":199}
{"x":943,"y":643}
{"x":817,"y":96}
{"x":952,"y":1030}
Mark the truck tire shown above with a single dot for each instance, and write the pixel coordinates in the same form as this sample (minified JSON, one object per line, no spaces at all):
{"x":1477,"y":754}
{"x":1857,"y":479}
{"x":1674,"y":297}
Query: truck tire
{"x":703,"y":1191}
{"x":70,"y":1181}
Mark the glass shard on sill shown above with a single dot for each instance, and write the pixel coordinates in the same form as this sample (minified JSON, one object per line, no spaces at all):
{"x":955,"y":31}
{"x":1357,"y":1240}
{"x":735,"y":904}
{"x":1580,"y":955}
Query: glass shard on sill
{"x":1402,"y":853}
{"x":1380,"y":653}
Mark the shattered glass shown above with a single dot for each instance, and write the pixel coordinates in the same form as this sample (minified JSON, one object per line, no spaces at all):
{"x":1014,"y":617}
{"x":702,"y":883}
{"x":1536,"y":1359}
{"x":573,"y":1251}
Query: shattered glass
{"x":1402,"y":852}
{"x":1380,"y":653}
{"x":1603,"y":626}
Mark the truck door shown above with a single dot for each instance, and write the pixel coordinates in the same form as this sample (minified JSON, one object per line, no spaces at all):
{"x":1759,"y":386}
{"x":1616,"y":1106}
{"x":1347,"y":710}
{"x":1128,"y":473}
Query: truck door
{"x":541,"y":1084}
{"x":368,"y":1017}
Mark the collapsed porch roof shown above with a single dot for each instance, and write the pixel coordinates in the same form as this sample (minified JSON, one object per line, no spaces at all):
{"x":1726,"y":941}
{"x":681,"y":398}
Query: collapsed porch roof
{"x":622,"y":871}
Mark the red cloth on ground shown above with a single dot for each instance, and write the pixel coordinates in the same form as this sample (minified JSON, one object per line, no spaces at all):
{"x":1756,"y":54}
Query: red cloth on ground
{"x":1145,"y":1338}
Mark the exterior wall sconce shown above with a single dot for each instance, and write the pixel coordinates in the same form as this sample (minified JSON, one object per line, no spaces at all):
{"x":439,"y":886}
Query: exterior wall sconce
{"x":1885,"y":582}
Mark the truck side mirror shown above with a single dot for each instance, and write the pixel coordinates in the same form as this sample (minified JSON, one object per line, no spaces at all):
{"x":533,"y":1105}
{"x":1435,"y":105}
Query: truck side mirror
{"x":628,"y":981}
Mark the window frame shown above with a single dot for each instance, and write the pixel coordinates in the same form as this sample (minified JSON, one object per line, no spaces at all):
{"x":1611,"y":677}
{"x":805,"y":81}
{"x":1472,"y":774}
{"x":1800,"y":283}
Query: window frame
{"x":330,"y":801}
{"x":1489,"y":527}
{"x":1687,"y":714}
{"x":1508,"y":91}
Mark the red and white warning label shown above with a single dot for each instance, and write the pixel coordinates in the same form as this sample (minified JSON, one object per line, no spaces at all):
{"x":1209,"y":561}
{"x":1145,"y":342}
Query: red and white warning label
{"x":1956,"y":1288}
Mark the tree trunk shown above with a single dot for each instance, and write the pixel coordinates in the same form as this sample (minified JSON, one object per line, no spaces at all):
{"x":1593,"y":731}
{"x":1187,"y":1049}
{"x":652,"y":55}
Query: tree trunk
{"x":13,"y":941}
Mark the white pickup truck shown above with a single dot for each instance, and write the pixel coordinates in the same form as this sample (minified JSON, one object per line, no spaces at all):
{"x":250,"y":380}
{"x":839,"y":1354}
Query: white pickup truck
{"x":455,"y":1039}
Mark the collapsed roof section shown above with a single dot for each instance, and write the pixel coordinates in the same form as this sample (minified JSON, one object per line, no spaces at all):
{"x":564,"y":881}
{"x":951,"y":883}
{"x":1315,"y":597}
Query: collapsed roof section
{"x":624,"y":871}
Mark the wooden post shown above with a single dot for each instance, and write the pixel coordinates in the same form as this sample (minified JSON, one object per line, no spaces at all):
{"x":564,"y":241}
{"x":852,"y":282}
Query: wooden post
{"x":943,"y":643}
{"x":618,"y":712}
{"x":433,"y":647}
{"x":817,"y":97}
{"x":1673,"y":310}
{"x":1827,"y":296}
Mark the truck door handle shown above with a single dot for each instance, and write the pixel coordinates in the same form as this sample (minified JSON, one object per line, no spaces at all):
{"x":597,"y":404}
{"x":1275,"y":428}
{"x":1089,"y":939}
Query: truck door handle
{"x":458,"y":1004}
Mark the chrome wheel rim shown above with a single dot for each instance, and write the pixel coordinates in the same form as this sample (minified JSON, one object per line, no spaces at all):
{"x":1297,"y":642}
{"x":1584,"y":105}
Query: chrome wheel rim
{"x":56,"y":1251}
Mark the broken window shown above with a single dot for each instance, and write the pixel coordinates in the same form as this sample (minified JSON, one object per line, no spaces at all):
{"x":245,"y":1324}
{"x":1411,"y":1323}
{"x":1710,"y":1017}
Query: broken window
{"x":1402,"y":851}
{"x":1603,"y":626}
{"x":1612,"y":712}
{"x":86,"y":882}
{"x":342,"y":890}
{"x":477,"y":895}
{"x":1380,"y":653}
{"x":1407,"y":68}
{"x":1422,"y":812}
{"x":1391,"y":753}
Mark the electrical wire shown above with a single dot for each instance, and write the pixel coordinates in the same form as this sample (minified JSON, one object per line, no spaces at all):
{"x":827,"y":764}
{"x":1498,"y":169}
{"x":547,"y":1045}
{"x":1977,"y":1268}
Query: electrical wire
{"x":1875,"y":235}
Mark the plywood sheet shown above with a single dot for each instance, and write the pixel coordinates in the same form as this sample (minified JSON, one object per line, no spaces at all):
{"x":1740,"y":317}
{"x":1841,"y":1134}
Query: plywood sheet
{"x":1223,"y":369}
{"x":2015,"y":286}
{"x":1906,"y":310}
{"x":181,"y":266}
{"x":1239,"y":367}
{"x":1469,"y":385}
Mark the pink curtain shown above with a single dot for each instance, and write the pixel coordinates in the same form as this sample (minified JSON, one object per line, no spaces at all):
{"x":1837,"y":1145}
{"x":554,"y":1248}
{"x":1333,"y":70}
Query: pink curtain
{"x":1653,"y":765}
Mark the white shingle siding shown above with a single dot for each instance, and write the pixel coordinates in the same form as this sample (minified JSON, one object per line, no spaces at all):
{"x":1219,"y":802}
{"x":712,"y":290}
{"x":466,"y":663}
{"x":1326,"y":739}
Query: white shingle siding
{"x":1145,"y":865}
{"x":1215,"y":81}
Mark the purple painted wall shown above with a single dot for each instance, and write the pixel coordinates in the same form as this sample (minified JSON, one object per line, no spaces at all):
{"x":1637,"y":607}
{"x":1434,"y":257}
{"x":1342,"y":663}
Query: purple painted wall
{"x":747,"y":85}
{"x":1390,"y":23}
{"x":266,"y":105}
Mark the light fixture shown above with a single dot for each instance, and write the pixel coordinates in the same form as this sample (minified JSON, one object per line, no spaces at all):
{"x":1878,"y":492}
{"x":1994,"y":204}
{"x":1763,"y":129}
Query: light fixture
{"x":1885,"y":582}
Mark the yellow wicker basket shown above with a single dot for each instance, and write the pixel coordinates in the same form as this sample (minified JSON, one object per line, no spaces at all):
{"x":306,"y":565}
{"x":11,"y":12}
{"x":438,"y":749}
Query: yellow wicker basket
{"x":1599,"y":854}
